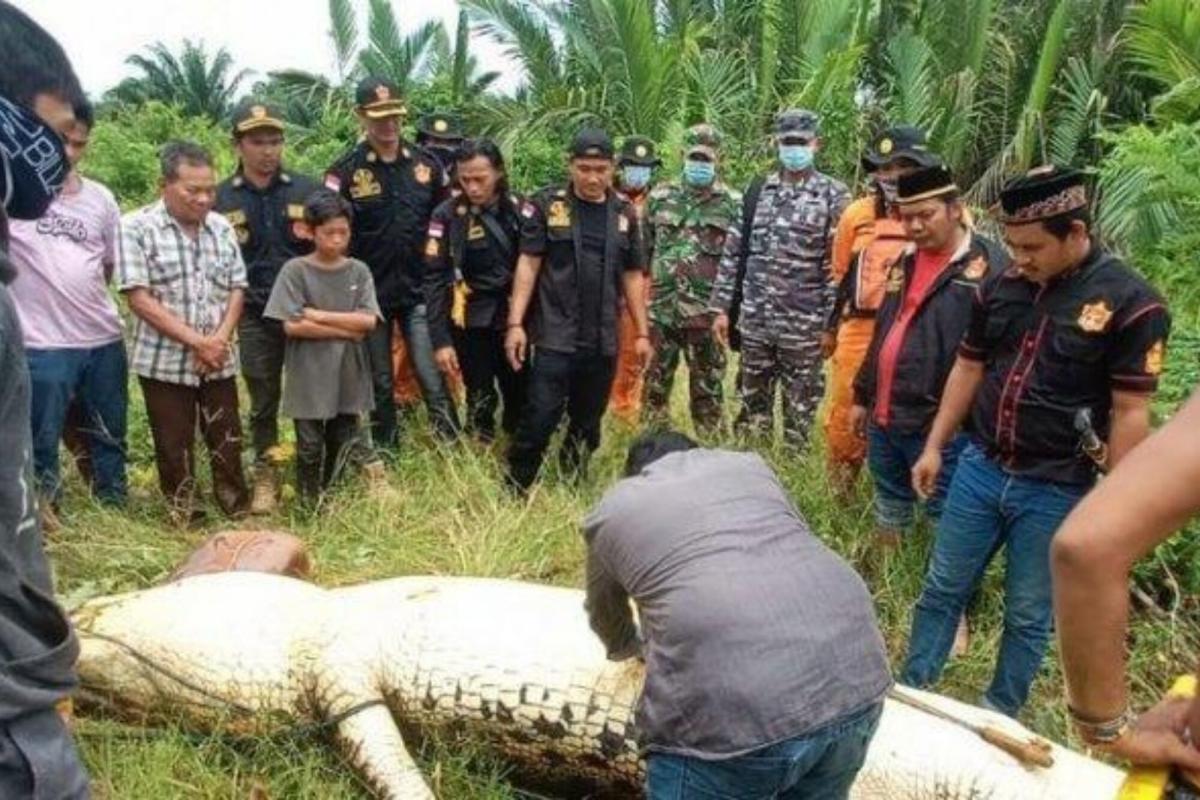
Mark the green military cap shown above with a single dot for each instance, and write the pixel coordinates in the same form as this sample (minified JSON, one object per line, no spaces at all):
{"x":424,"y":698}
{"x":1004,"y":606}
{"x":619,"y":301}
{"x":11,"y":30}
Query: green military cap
{"x":703,"y":138}
{"x":251,"y":114}
{"x":441,"y":125}
{"x":639,"y":151}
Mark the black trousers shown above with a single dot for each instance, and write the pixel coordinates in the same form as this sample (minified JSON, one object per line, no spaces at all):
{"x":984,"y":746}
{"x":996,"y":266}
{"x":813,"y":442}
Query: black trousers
{"x":577,"y":383}
{"x":489,"y":378}
{"x":324,"y":447}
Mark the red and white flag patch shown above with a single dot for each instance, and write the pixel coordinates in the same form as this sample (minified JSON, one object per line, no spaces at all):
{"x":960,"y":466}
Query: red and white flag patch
{"x":332,"y":182}
{"x":436,"y":230}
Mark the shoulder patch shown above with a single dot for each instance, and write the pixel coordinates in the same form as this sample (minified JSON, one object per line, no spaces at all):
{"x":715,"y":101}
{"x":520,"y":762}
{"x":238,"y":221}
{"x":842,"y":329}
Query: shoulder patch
{"x":1155,"y":357}
{"x":528,"y":210}
{"x":1094,"y":317}
{"x":332,"y":182}
{"x":436,"y":229}
{"x":976,"y":268}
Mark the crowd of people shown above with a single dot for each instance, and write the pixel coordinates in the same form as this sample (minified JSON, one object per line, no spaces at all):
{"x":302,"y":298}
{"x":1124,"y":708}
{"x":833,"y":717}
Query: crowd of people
{"x":991,"y":383}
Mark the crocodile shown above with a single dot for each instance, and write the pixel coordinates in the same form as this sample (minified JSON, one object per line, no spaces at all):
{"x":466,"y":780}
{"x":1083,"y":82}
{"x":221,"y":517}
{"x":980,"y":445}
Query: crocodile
{"x":511,"y":665}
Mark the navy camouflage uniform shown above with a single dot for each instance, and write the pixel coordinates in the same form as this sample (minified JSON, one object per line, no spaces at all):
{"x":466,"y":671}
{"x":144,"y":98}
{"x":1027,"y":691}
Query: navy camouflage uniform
{"x":787,"y":294}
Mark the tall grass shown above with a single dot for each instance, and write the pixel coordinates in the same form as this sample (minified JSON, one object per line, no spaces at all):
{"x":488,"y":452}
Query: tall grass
{"x":446,"y":512}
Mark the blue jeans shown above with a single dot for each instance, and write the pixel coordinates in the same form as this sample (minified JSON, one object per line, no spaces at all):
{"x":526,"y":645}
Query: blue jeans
{"x":97,"y":378}
{"x":820,"y":765}
{"x":988,"y":509}
{"x":890,"y":457}
{"x":414,"y":328}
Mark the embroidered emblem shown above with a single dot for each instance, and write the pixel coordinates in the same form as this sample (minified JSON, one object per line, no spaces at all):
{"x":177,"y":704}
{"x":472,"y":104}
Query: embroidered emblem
{"x":436,"y":230}
{"x":895,"y":279}
{"x":1094,"y":317}
{"x":641,"y":151}
{"x":365,"y":184}
{"x":422,"y":173}
{"x":528,"y":210}
{"x":332,"y":182}
{"x":976,"y":268}
{"x":1154,"y":358}
{"x":475,"y":232}
{"x":258,"y":112}
{"x":885,"y":147}
{"x":295,"y":211}
{"x":440,"y":126}
{"x":558,"y":215}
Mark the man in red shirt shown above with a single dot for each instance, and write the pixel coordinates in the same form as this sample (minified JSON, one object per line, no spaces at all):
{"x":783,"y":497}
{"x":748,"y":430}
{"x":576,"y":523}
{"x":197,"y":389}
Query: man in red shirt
{"x":925,"y":311}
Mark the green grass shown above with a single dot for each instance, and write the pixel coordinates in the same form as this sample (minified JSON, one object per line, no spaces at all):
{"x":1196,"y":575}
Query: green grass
{"x":446,"y":513}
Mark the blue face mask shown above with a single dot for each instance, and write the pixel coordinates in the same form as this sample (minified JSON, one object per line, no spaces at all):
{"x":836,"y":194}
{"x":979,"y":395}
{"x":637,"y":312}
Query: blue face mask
{"x":636,"y":177}
{"x":796,"y":157}
{"x":699,"y":173}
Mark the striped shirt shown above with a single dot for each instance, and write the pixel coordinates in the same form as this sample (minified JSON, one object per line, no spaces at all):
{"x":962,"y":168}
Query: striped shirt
{"x":192,"y":278}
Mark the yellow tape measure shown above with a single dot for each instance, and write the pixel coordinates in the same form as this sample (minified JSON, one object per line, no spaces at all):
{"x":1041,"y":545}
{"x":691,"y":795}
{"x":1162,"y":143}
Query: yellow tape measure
{"x":1151,"y":783}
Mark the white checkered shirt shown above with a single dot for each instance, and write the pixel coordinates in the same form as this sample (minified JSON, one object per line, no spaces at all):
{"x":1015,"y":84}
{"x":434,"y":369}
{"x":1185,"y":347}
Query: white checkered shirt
{"x":192,"y":278}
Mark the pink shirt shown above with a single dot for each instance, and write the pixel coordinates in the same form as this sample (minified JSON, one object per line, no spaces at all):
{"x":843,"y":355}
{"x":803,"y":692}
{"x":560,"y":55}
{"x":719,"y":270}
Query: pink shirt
{"x":60,"y":291}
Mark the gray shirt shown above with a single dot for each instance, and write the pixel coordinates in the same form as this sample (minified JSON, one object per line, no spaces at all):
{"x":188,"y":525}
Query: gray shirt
{"x":37,"y":647}
{"x":755,"y":632}
{"x":324,"y":377}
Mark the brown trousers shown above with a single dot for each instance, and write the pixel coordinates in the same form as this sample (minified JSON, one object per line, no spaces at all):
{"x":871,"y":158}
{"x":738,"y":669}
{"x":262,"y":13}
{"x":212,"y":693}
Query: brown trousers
{"x":174,"y":411}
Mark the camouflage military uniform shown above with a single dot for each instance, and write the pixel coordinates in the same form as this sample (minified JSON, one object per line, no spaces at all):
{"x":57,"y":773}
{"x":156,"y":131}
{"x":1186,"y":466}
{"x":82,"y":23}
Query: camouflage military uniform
{"x":787,"y":293}
{"x":690,"y":229}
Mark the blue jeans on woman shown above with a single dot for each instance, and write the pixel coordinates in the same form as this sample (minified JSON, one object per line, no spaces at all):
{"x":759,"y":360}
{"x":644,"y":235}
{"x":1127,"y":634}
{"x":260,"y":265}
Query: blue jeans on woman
{"x":890,"y":457}
{"x":989,"y":509}
{"x":820,"y":765}
{"x":96,"y":378}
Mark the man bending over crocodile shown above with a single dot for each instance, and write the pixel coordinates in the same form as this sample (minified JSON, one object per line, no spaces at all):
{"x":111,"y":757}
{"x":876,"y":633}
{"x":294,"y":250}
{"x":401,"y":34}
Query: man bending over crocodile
{"x":765,"y":668}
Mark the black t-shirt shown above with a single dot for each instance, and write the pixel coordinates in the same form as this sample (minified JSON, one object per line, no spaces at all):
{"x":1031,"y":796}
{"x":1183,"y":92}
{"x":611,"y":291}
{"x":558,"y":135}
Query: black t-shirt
{"x":593,"y":233}
{"x":1051,"y":351}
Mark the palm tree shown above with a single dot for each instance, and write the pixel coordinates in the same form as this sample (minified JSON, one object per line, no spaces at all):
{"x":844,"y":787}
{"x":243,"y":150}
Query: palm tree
{"x":455,"y":67}
{"x":198,"y":84}
{"x":1162,"y":41}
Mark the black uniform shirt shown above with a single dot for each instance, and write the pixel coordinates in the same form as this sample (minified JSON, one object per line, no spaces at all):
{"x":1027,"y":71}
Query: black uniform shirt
{"x":550,"y":227}
{"x":267,"y":223}
{"x":464,"y":243}
{"x":392,"y":203}
{"x":1052,"y":350}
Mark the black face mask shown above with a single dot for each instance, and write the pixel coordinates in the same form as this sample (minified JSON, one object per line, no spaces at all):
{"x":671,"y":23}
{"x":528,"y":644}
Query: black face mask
{"x":34,"y":162}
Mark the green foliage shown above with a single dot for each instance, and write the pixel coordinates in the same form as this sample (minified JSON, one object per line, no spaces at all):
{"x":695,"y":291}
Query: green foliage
{"x":192,"y":80}
{"x":125,"y":145}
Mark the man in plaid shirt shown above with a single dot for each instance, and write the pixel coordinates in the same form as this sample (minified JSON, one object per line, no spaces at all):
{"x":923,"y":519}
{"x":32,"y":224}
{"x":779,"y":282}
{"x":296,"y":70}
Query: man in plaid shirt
{"x":180,"y":268}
